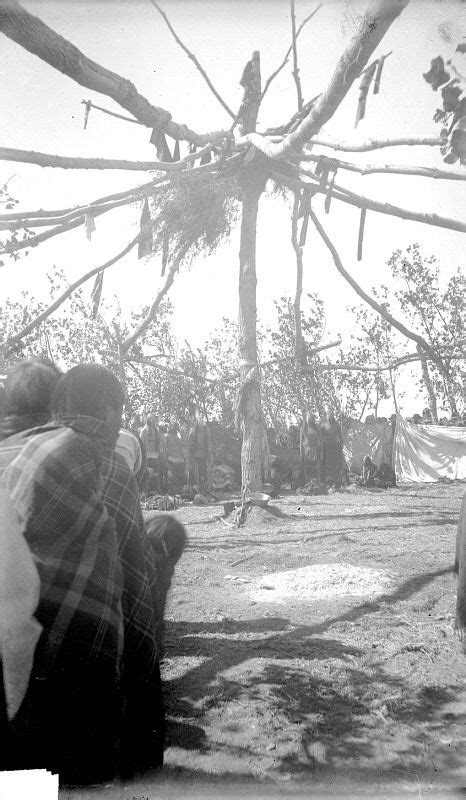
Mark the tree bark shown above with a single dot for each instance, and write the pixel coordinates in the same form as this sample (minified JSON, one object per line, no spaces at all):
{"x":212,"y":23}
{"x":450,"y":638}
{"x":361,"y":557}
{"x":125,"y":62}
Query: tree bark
{"x":428,"y":383}
{"x":35,"y":36}
{"x":252,"y":417}
{"x":252,"y":180}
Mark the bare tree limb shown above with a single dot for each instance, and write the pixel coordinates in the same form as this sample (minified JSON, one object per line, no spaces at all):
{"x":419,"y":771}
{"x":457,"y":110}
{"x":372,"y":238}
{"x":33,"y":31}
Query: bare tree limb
{"x":15,"y":218}
{"x":374,"y":24}
{"x":380,"y":309}
{"x":377,"y":144}
{"x":142,"y":327}
{"x":399,"y":362}
{"x":35,"y":36}
{"x":195,"y":61}
{"x":296,"y":77}
{"x":361,"y":201}
{"x":392,"y":169}
{"x":288,"y":52}
{"x":72,"y":162}
{"x":13,"y":340}
{"x":74,"y":221}
{"x":149,"y":362}
{"x":267,"y":145}
{"x":67,"y":219}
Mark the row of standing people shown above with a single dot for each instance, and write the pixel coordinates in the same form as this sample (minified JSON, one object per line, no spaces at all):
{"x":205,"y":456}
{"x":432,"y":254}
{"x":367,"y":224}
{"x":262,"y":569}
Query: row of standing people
{"x":175,"y":454}
{"x":321,"y":451}
{"x":83,"y":584}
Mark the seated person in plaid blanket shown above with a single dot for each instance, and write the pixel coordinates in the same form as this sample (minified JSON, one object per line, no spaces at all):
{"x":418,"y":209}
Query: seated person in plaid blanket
{"x":93,"y":708}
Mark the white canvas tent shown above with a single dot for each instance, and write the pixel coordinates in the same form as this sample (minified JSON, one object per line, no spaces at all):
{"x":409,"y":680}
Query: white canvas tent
{"x":361,"y":440}
{"x":427,"y":453}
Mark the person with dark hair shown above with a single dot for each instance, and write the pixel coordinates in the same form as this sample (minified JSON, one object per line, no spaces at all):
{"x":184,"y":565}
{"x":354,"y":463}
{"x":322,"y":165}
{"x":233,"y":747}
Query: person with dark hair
{"x":333,"y":451}
{"x":154,"y":446}
{"x":68,"y":717}
{"x":168,"y":539}
{"x":93,"y":708}
{"x":368,"y":473}
{"x":28,"y":390}
{"x":176,"y":464}
{"x":93,"y":390}
{"x":311,"y":451}
{"x":199,"y":453}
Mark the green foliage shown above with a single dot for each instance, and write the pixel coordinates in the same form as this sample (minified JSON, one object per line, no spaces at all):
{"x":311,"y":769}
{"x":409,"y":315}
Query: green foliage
{"x":374,"y":343}
{"x":452,"y":116}
{"x":287,"y":391}
{"x":438,"y":314}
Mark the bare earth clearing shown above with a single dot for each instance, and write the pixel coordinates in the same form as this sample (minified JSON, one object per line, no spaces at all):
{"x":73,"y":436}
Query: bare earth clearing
{"x":322,"y":693}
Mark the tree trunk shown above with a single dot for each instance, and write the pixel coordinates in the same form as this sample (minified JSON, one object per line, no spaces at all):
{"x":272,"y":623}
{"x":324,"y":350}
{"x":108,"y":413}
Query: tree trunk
{"x":428,"y":384}
{"x":252,"y":417}
{"x":252,"y":180}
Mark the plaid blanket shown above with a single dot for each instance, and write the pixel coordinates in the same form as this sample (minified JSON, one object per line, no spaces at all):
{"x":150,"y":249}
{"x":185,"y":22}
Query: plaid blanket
{"x":460,"y":568}
{"x":142,"y":725}
{"x":52,"y":474}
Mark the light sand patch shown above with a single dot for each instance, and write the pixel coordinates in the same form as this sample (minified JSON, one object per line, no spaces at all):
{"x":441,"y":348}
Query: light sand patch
{"x":321,"y":581}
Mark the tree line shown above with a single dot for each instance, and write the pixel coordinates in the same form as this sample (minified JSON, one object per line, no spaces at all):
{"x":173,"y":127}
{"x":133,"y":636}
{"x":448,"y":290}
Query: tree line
{"x":351,"y":376}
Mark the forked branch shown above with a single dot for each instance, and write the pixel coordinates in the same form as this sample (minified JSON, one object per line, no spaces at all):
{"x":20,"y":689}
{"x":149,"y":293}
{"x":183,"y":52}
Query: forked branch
{"x":380,"y":309}
{"x":288,"y":52}
{"x":195,"y":60}
{"x":294,"y":45}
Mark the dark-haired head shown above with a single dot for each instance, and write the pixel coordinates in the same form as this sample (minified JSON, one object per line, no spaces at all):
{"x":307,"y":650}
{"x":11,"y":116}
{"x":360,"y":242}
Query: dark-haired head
{"x":29,"y":387}
{"x":91,"y":390}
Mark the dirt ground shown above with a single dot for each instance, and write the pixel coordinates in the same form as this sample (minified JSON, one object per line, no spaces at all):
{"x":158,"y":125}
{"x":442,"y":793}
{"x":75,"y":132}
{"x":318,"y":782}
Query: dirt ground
{"x":324,"y":694}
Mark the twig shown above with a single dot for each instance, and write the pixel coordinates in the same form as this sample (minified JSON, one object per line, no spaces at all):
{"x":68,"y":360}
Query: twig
{"x":195,"y":61}
{"x":287,"y":54}
{"x":296,"y":77}
{"x":242,"y":560}
{"x":89,"y":104}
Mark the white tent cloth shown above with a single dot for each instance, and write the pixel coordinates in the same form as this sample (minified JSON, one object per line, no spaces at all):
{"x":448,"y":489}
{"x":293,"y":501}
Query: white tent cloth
{"x":19,"y":596}
{"x":427,"y":453}
{"x":360,"y":440}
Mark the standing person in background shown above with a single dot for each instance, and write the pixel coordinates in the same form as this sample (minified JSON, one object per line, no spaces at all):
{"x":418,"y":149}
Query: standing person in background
{"x":333,"y":451}
{"x":151,"y":439}
{"x":199,"y":453}
{"x":176,"y":466}
{"x":311,"y":450}
{"x":131,"y":448}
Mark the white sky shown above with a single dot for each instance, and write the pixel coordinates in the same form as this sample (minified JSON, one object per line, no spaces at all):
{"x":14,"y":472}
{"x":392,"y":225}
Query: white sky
{"x":41,"y":110}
